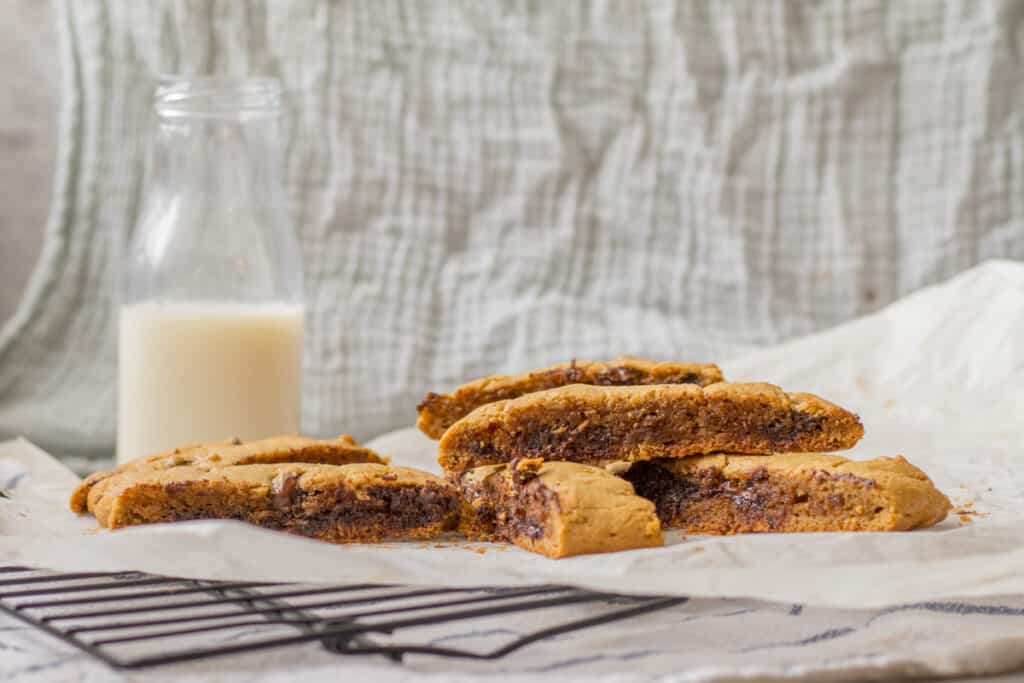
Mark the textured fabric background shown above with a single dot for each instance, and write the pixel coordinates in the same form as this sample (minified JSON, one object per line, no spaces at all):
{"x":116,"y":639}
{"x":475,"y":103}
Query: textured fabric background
{"x":484,"y":187}
{"x":31,"y":86}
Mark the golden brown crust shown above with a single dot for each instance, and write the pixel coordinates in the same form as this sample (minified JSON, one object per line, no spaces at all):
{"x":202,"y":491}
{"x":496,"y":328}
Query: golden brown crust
{"x":339,"y":503}
{"x":437,"y":412}
{"x":279,"y":449}
{"x":789,"y":492}
{"x":597,"y":425}
{"x":557,"y":509}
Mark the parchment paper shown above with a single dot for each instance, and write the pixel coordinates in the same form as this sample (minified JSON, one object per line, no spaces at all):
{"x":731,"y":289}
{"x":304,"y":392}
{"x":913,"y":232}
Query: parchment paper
{"x":938,"y":377}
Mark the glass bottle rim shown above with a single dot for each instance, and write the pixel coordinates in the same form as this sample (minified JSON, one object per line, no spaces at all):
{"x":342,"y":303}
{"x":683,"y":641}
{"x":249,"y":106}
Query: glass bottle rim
{"x":227,"y":97}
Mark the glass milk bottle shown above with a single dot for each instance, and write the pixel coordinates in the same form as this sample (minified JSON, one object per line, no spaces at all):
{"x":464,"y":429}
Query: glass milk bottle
{"x":211,"y":317}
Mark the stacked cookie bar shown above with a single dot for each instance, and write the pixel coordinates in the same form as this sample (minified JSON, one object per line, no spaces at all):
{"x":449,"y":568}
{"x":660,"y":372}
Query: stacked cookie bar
{"x":575,"y":458}
{"x":712,"y":456}
{"x":438,"y":412}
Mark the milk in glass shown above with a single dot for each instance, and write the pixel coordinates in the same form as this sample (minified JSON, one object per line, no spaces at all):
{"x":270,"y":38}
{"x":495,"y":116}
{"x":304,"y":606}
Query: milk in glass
{"x":203,"y":372}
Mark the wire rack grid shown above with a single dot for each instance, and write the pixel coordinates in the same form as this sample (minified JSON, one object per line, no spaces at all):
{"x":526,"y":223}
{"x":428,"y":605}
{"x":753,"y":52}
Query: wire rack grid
{"x":133,"y":620}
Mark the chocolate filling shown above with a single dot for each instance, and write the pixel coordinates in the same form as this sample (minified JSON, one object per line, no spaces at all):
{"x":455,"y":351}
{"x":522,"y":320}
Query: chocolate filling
{"x":337,"y":513}
{"x":669,"y":494}
{"x":511,"y":510}
{"x":781,"y":431}
{"x":758,"y":500}
{"x":386,"y":510}
{"x":575,"y":436}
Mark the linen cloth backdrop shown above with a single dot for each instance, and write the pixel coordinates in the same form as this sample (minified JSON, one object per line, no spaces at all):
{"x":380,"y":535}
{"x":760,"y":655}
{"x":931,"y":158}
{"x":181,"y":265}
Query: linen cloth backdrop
{"x":485,"y":187}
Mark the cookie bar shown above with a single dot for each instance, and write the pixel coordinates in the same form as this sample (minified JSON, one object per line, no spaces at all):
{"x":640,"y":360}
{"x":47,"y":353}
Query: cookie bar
{"x":337,"y":503}
{"x":438,"y":412}
{"x":596,"y":425}
{"x":341,"y":451}
{"x":731,"y":494}
{"x":556,"y":509}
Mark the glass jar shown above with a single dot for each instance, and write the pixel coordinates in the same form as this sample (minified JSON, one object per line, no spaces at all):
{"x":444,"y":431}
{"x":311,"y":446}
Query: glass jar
{"x":211,"y":316}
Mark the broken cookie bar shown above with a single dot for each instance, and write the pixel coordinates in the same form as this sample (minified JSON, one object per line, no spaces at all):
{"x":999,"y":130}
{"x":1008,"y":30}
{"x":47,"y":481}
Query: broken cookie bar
{"x":337,"y":503}
{"x":341,"y":451}
{"x":596,"y":425}
{"x":556,"y":509}
{"x":437,"y":412}
{"x":731,"y":494}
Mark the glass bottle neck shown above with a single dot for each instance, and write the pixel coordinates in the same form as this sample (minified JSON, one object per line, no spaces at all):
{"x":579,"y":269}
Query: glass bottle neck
{"x":217,"y":142}
{"x":225,"y":164}
{"x":214,"y":223}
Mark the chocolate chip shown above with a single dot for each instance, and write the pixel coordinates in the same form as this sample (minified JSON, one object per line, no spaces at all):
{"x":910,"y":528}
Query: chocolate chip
{"x":684,"y":378}
{"x":805,"y":423}
{"x":429,"y":401}
{"x":620,"y":375}
{"x":283,"y":488}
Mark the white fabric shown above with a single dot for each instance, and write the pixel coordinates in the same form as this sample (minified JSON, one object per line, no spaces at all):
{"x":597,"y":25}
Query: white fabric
{"x":486,"y":187}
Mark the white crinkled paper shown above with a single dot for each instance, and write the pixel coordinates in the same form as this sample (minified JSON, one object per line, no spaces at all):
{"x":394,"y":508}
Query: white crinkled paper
{"x":938,"y":377}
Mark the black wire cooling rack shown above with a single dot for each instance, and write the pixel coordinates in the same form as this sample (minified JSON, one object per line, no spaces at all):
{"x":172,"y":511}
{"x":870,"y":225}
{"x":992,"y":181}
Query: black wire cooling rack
{"x":132,"y":620}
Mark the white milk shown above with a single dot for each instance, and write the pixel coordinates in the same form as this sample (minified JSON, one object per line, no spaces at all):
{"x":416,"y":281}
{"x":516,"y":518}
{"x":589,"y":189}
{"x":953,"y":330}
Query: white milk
{"x":191,"y":372}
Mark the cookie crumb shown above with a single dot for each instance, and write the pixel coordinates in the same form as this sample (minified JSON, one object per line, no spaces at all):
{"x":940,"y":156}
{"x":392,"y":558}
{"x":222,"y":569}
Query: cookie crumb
{"x":967,"y":510}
